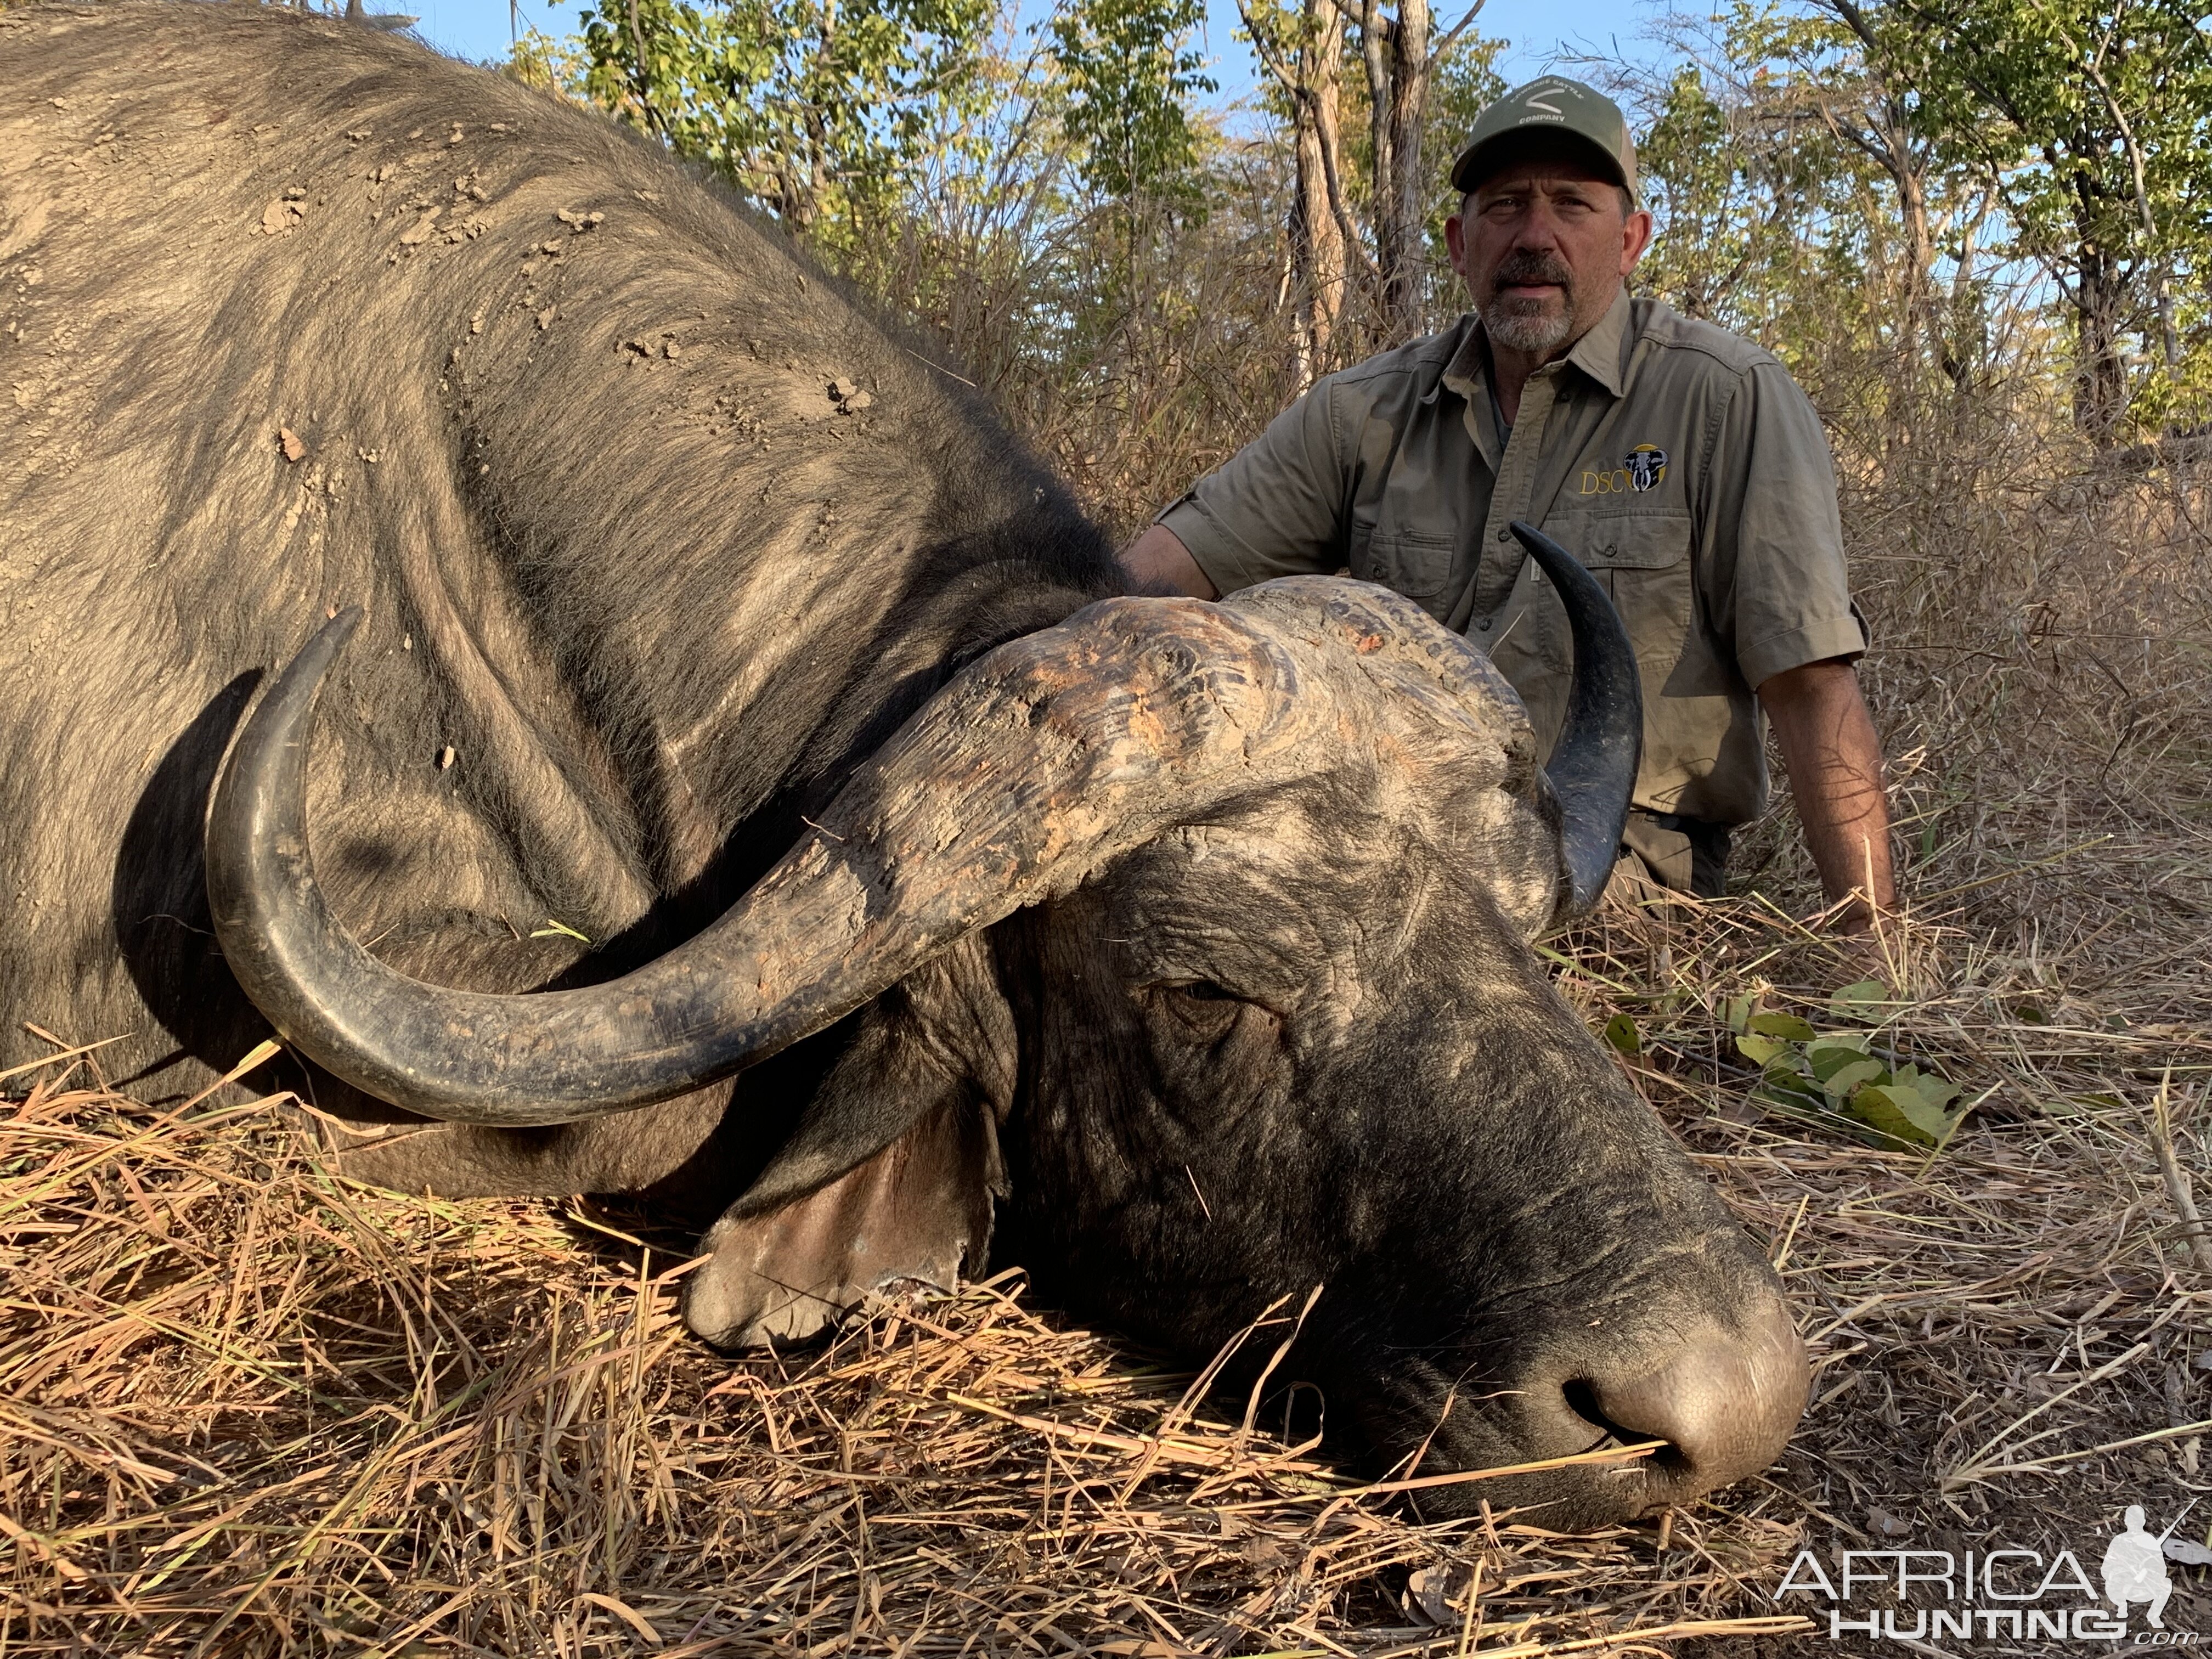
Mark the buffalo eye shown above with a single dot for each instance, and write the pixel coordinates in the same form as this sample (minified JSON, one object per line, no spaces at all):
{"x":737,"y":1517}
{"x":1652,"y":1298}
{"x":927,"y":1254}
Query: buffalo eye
{"x":1203,"y":990}
{"x":1214,"y":1054}
{"x":1201,"y":1009}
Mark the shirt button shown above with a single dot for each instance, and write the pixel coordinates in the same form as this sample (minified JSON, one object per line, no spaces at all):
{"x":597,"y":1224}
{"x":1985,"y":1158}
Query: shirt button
{"x":1504,"y":534}
{"x":1484,"y":624}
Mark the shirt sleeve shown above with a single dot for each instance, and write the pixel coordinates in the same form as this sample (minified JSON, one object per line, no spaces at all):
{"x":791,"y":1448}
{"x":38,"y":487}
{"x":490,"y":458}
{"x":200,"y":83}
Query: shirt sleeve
{"x":1775,"y":577}
{"x":1275,"y":509}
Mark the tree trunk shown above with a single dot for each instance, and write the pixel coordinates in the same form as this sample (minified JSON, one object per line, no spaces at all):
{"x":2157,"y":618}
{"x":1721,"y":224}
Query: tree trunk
{"x":1397,"y":54}
{"x":1399,"y":228}
{"x":2101,"y":375}
{"x":1378,"y":54}
{"x":1317,"y":249}
{"x":1964,"y":323}
{"x":1904,"y":172}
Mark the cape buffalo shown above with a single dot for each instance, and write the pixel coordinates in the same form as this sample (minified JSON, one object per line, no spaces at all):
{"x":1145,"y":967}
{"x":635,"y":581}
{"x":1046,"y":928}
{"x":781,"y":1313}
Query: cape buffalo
{"x":737,"y":777}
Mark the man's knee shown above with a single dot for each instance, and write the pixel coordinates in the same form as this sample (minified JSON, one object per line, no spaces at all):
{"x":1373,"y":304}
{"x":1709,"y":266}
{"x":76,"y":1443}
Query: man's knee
{"x":1635,"y":885}
{"x":1671,"y":856}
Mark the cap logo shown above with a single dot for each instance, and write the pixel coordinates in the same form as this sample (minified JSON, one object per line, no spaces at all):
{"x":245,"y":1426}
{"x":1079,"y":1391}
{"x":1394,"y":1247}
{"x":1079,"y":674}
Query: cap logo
{"x":1550,"y":100}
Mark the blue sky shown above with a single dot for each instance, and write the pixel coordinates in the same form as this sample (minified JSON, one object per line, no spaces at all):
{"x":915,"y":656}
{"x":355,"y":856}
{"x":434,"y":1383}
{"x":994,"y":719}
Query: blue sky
{"x":1541,"y":30}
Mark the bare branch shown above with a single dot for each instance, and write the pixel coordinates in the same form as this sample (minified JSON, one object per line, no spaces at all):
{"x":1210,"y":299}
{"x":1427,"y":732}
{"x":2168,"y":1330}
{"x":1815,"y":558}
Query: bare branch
{"x":1341,"y":214}
{"x":1452,"y":35}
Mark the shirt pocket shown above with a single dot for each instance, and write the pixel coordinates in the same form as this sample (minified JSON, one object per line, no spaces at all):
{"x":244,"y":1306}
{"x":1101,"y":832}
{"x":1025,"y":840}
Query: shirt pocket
{"x":1643,"y":559}
{"x":1416,"y":563}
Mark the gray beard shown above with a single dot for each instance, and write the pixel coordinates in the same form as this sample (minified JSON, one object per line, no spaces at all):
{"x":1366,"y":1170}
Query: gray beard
{"x":1536,"y":332}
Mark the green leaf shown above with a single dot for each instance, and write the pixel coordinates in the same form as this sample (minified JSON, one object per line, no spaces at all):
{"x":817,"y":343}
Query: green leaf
{"x":1908,"y":1113}
{"x":1884,"y":1110}
{"x":1863,"y":1001}
{"x":1760,"y":1051}
{"x":1783,"y":1025}
{"x":1939,"y":1102}
{"x":1828,"y":1054}
{"x":1929,"y":1085}
{"x":1620,"y":1031}
{"x":1840,"y":1082}
{"x":1737,"y":1011}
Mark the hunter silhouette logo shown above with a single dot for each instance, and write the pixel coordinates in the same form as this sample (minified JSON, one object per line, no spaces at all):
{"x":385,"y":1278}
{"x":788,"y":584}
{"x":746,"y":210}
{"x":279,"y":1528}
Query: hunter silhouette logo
{"x":2134,"y":1570}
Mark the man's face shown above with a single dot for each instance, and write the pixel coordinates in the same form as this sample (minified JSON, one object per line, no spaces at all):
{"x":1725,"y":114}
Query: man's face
{"x":1543,"y":244}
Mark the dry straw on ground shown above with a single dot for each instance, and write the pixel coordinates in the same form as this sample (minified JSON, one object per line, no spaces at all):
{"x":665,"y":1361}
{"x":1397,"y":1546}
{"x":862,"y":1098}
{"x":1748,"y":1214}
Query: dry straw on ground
{"x":248,"y":1409}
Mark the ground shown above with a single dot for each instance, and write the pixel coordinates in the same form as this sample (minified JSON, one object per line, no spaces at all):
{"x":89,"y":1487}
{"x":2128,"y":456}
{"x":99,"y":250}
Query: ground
{"x":246,"y":1408}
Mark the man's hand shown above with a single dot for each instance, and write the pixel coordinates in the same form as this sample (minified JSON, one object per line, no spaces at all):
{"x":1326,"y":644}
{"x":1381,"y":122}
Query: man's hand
{"x":1828,"y":743}
{"x":1157,"y":562}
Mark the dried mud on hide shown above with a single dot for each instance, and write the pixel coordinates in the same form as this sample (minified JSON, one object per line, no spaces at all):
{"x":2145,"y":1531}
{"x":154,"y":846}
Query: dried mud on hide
{"x":251,"y":1409}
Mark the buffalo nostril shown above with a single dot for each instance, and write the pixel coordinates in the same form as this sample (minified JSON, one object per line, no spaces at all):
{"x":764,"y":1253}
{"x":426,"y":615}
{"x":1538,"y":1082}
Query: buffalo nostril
{"x":1724,"y":1401}
{"x":1583,"y":1401}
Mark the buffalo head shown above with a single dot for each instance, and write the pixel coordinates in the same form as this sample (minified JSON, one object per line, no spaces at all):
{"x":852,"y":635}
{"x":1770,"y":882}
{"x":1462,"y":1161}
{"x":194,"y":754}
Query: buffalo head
{"x":1198,"y":935}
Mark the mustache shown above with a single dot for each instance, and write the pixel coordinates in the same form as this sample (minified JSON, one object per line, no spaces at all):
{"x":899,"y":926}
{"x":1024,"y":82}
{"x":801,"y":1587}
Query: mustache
{"x":1532,"y":267}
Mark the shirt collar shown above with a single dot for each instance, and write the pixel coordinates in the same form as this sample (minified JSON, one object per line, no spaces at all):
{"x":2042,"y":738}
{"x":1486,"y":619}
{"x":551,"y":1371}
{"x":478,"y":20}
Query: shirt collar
{"x":1602,"y":354}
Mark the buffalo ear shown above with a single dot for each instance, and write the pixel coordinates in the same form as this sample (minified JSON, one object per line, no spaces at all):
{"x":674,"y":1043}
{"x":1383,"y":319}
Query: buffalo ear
{"x":889,"y":1176}
{"x":915,"y":1212}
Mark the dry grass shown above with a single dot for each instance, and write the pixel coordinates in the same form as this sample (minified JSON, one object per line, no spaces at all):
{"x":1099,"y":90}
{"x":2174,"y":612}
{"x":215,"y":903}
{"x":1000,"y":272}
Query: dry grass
{"x":250,"y":1409}
{"x":254,"y":1410}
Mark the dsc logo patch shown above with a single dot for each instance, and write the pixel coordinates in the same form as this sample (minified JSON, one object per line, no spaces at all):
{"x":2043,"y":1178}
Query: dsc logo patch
{"x":1643,"y":468}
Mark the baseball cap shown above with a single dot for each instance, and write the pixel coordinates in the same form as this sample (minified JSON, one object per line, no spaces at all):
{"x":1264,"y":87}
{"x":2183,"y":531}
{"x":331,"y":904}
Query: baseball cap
{"x":1552,"y":102}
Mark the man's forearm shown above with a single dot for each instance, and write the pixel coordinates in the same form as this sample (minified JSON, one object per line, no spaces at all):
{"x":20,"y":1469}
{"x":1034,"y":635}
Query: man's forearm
{"x":1828,"y":742}
{"x":1158,"y":562}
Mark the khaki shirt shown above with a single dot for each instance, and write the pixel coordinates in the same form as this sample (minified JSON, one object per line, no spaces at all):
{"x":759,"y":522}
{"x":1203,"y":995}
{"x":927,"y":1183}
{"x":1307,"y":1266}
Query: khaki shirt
{"x":1681,"y":464}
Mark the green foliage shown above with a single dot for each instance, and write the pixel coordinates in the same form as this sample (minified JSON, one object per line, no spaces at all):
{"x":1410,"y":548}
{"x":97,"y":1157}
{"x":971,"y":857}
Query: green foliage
{"x":1131,"y":77}
{"x":559,"y":67}
{"x":1888,"y":192}
{"x":1770,"y":176}
{"x":1465,"y":82}
{"x":2090,"y":120}
{"x":1735,"y":213}
{"x":1838,"y":1075}
{"x":1863,"y":1002}
{"x":814,"y":109}
{"x":1113,"y":267}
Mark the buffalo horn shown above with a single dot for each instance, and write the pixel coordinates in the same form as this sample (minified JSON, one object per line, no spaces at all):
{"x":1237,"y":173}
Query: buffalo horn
{"x":1593,"y":766}
{"x":1052,"y":754}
